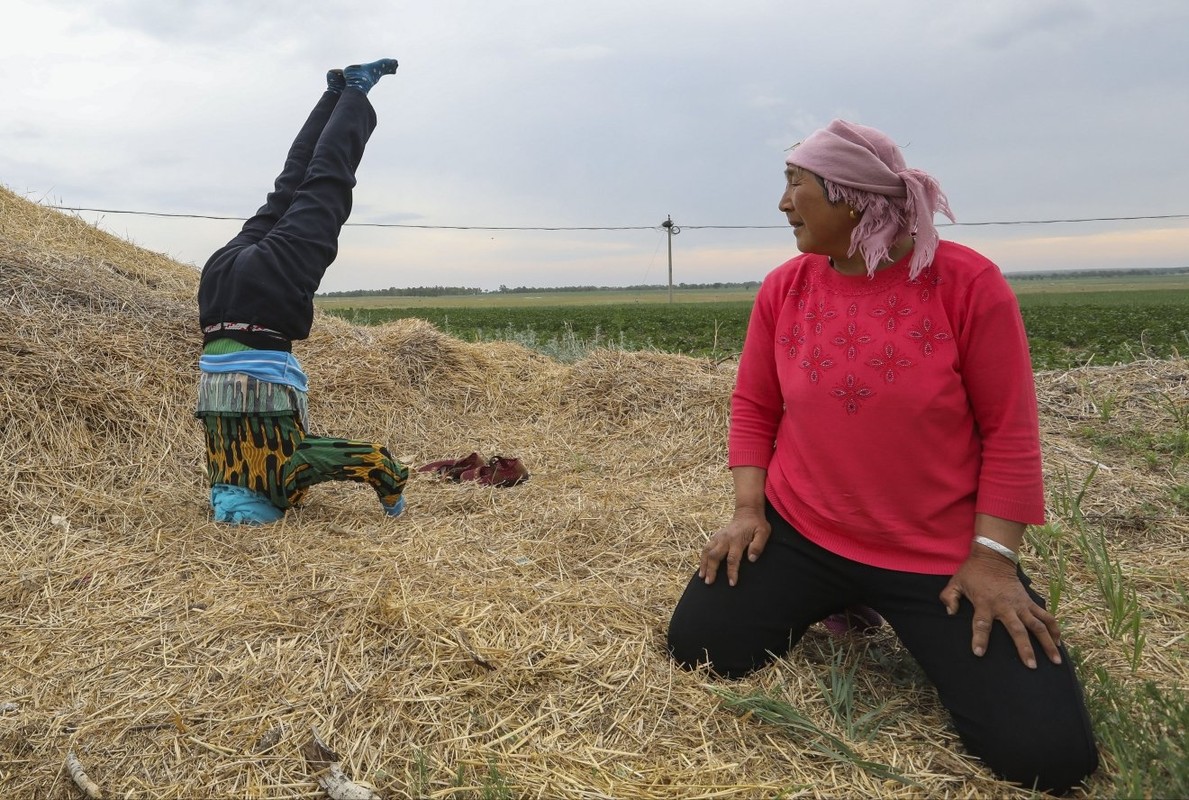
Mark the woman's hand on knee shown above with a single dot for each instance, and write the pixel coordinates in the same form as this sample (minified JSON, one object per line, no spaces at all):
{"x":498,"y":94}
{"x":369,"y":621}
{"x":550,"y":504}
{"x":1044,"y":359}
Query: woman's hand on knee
{"x":996,"y":593}
{"x":743,"y":537}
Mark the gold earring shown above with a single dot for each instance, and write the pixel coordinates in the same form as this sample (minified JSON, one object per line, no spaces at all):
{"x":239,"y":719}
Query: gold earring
{"x":853,"y":215}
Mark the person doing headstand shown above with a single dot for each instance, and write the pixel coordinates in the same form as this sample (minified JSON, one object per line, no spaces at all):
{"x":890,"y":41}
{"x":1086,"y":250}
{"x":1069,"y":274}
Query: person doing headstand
{"x":256,"y":297}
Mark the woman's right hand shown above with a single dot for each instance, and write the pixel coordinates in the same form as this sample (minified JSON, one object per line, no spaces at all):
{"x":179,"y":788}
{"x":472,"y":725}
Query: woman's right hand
{"x":746,"y":533}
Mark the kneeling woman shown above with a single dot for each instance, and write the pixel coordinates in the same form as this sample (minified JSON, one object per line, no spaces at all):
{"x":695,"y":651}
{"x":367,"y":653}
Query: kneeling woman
{"x":885,"y":453}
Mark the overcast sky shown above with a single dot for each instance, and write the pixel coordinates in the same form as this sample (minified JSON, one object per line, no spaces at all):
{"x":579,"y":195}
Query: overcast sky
{"x":611,"y":114}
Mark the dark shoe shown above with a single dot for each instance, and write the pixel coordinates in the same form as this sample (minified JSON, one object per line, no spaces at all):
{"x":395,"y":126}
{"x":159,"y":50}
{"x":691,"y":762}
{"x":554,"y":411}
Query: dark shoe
{"x":455,"y":468}
{"x":503,"y":471}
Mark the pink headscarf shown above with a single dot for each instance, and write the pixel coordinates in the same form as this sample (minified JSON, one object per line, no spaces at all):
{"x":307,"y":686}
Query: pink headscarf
{"x":866,"y":159}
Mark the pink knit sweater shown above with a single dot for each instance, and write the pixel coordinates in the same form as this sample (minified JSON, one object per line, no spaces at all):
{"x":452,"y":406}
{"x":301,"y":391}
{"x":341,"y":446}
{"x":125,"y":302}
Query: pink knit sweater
{"x":889,"y":411}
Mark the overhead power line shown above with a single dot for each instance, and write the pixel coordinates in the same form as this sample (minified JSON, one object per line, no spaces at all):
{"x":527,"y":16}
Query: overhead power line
{"x":612,"y":227}
{"x":973,"y":224}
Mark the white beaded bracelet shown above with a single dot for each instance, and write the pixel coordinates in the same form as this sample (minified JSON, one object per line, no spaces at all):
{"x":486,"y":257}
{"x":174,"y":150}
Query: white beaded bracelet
{"x":999,"y":548}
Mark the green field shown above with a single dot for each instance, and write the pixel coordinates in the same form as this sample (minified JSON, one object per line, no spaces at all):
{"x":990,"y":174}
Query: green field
{"x":1070,"y":322}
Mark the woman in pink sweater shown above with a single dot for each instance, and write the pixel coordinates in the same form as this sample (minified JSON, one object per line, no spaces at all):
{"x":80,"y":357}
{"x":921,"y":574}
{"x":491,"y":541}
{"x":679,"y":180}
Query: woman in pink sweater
{"x":885,"y":453}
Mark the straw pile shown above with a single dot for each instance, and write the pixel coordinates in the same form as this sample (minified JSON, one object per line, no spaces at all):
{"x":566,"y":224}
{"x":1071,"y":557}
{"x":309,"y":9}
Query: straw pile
{"x":491,"y":640}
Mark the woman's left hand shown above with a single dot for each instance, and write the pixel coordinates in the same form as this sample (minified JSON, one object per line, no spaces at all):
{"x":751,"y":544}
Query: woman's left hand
{"x":991,"y":584}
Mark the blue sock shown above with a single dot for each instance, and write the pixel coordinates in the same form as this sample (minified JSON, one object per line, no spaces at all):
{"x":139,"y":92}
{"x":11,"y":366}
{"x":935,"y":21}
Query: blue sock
{"x":364,"y":76}
{"x":240,"y":505}
{"x":335,"y":81}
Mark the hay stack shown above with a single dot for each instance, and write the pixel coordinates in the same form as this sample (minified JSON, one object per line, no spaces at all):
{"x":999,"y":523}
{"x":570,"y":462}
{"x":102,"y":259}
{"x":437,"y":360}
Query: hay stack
{"x":489,"y":639}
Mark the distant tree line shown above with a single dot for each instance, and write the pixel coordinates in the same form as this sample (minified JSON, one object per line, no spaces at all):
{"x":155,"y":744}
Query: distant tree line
{"x":1096,"y":273}
{"x":643,"y":287}
{"x":444,"y":291}
{"x":416,"y":291}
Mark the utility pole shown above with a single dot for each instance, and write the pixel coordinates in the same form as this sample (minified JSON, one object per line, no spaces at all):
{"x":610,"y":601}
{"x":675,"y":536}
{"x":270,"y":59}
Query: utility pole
{"x":671,"y":230}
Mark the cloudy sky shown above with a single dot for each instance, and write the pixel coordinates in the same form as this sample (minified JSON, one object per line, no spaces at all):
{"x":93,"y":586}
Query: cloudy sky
{"x":612,"y":114}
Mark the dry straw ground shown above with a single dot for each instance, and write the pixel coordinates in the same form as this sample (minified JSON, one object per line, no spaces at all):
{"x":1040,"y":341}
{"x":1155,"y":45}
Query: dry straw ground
{"x":492,"y":642}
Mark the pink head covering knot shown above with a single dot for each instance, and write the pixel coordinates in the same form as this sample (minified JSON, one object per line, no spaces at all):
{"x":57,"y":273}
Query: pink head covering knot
{"x":863,"y":158}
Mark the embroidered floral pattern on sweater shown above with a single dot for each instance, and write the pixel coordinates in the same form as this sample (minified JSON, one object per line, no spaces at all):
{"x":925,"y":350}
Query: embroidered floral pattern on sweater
{"x":889,"y":361}
{"x":891,"y":312}
{"x":924,"y":335}
{"x":850,"y":339}
{"x":819,"y":315}
{"x":816,"y":362}
{"x":926,"y":280}
{"x":792,"y":340}
{"x":886,"y":328}
{"x":851,"y":392}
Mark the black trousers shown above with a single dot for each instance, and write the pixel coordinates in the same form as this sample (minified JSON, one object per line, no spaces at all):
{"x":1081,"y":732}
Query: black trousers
{"x":268,"y":274}
{"x":1028,"y":726}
